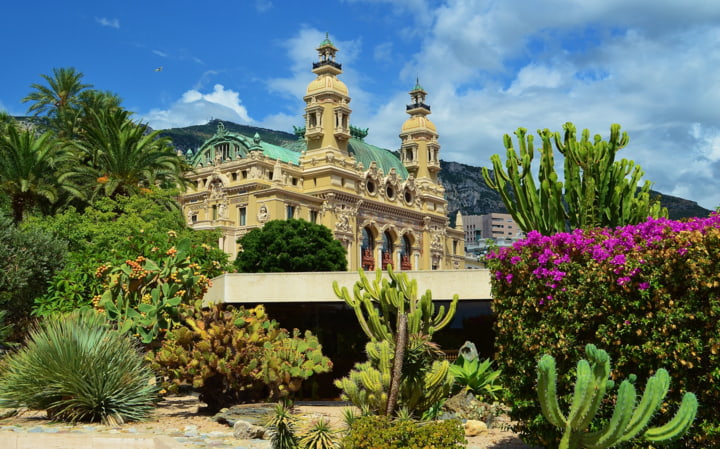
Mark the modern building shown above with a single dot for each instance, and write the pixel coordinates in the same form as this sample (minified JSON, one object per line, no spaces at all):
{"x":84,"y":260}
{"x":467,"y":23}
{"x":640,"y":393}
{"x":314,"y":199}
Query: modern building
{"x":383,"y":209}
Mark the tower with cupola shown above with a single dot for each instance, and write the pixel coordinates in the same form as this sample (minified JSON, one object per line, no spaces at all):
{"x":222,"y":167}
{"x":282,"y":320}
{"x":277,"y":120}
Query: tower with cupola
{"x":327,"y":114}
{"x":419,"y":148}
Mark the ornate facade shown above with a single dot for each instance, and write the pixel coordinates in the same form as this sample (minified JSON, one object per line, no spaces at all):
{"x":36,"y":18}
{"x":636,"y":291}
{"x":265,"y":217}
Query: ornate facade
{"x":383,"y":209}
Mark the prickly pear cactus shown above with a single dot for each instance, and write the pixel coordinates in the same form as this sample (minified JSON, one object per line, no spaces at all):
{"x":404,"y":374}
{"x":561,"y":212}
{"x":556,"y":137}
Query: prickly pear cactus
{"x":237,"y":355}
{"x":629,"y":418}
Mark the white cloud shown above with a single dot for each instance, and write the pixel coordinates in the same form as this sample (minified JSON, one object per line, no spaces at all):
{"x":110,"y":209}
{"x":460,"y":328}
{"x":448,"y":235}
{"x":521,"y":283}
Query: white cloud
{"x":491,"y":67}
{"x":263,"y":5}
{"x":195,"y":107}
{"x":112,"y":23}
{"x":162,"y":54}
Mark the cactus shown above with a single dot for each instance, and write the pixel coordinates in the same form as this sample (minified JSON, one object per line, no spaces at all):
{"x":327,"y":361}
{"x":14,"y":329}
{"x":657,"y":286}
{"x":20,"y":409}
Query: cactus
{"x":596,"y":189}
{"x":629,"y":418}
{"x":403,"y":364}
{"x":237,"y":355}
{"x":143,"y":296}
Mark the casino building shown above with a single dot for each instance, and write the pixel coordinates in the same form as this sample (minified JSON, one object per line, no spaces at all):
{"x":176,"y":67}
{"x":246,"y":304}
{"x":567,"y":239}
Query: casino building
{"x":383,"y":209}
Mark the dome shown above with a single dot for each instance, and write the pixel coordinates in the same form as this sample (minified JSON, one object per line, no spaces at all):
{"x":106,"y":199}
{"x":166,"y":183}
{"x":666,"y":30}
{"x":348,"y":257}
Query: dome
{"x":324,"y":83}
{"x":418,"y":122}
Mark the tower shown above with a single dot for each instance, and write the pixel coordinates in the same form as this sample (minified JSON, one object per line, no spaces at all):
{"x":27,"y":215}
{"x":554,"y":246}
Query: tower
{"x":327,"y":114}
{"x":419,"y":148}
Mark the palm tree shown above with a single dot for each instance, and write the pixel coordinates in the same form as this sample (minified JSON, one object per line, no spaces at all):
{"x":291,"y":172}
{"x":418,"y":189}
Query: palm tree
{"x":59,"y":100}
{"x":120,"y":157}
{"x":27,"y":167}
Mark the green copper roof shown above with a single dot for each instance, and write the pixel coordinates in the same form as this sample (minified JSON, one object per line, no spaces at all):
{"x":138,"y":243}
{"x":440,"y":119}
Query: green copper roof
{"x":241,"y":146}
{"x":367,"y":153}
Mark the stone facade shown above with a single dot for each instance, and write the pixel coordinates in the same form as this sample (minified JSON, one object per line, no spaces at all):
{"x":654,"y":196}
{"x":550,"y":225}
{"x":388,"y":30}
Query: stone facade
{"x":383,"y":209}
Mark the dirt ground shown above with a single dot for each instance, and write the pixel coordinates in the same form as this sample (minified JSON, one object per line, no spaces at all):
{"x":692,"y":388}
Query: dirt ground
{"x":179,"y":412}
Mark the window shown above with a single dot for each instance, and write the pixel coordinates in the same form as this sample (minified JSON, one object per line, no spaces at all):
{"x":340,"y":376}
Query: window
{"x":193,"y":218}
{"x":289,"y":212}
{"x":234,"y":177}
{"x":244,"y":174}
{"x":313,"y":216}
{"x":214,"y":212}
{"x":242,"y":216}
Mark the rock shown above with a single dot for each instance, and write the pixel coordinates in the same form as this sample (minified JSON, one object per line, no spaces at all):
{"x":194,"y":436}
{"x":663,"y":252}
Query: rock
{"x":474,"y":428}
{"x":243,"y":430}
{"x":463,"y":405}
{"x":252,"y":413}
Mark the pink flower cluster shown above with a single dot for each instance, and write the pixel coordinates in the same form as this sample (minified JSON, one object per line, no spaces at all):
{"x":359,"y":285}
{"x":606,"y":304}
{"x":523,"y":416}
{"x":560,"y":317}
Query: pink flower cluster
{"x":547,"y":255}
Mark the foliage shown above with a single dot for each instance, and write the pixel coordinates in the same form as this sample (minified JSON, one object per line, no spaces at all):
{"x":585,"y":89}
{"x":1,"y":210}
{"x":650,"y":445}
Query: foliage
{"x":319,"y":436}
{"x":596,"y":190}
{"x":79,"y":368}
{"x":647,"y":292}
{"x":108,"y":233}
{"x":28,"y":260}
{"x":629,"y":418}
{"x":290,"y":246}
{"x":281,"y":426}
{"x":400,"y":352}
{"x":369,"y":432}
{"x":236,"y":355}
{"x":28,"y":162}
{"x":143,"y":296}
{"x":121,"y":157}
{"x":475,"y":376}
{"x":58,"y":101}
{"x":5,"y":331}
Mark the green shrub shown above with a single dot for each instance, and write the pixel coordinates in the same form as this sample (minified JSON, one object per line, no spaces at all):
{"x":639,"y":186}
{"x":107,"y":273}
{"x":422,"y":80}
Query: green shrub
{"x":107,"y":234}
{"x":79,"y":368}
{"x":650,"y":293}
{"x":236,"y":355}
{"x":371,"y":432}
{"x":29,"y":258}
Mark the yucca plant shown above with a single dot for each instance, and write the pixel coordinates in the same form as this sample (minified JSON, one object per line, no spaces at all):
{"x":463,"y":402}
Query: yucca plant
{"x":79,"y":368}
{"x":281,"y":426}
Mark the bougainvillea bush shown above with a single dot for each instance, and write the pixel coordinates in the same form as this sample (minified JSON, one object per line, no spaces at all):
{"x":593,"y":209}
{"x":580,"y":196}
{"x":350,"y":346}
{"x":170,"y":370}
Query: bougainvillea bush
{"x":649,"y":293}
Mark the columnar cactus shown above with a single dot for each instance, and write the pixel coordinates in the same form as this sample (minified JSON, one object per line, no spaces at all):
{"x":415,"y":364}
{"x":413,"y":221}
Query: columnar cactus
{"x":629,"y":418}
{"x":596,"y":190}
{"x":400,"y":327}
{"x":379,"y":303}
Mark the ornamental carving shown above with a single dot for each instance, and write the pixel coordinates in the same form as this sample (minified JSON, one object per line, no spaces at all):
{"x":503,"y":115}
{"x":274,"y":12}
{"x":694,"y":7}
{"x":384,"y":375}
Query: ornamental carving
{"x":263,"y":214}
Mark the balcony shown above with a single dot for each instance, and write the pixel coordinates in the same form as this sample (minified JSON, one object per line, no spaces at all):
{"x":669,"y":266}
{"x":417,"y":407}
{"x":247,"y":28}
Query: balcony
{"x":410,"y":107}
{"x":325,"y":63}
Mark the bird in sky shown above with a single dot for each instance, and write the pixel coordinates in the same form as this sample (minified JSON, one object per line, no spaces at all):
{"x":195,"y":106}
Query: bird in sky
{"x":159,"y":69}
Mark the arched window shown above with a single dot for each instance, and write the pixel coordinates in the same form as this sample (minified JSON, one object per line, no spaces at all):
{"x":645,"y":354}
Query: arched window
{"x":406,"y":251}
{"x":387,"y":250}
{"x":368,"y":245}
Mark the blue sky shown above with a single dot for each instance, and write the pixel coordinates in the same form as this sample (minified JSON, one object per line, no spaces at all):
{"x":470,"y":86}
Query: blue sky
{"x":489,"y":67}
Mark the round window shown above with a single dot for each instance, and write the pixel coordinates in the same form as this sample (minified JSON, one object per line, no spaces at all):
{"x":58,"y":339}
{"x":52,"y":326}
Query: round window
{"x":370,"y":186}
{"x":389,"y":192}
{"x":408,"y":197}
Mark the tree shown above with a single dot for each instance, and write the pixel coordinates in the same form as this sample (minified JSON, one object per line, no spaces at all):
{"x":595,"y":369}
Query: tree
{"x":291,"y":246}
{"x":59,"y":100}
{"x":596,"y":190}
{"x":27,"y":167}
{"x":120,"y":157}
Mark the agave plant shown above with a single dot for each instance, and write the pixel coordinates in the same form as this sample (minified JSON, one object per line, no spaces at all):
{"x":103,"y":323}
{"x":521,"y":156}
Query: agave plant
{"x":476,"y":376}
{"x":79,"y":368}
